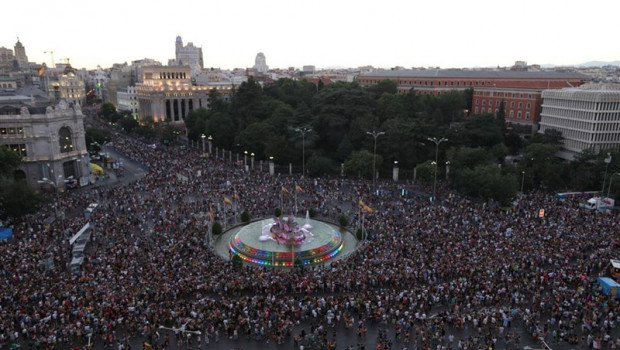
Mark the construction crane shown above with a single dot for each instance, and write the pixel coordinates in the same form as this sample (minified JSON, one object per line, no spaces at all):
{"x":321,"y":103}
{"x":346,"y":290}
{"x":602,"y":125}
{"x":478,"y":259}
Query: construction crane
{"x":51,"y":54}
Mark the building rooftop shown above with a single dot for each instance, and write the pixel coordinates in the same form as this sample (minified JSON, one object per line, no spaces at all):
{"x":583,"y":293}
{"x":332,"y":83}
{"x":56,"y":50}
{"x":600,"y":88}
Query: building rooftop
{"x":457,"y":73}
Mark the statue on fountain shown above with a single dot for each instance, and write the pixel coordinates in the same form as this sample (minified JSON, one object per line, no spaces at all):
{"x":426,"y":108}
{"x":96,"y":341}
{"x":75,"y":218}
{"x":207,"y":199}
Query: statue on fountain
{"x":285,"y":231}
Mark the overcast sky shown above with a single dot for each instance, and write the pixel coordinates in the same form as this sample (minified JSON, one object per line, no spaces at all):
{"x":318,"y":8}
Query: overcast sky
{"x":324,"y":33}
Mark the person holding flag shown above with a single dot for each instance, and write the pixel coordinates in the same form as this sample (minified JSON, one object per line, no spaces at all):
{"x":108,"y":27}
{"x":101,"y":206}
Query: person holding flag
{"x":297,"y":189}
{"x":365,"y":208}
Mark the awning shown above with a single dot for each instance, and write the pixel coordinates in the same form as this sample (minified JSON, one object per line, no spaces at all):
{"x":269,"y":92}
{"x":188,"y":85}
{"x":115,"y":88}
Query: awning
{"x":96,"y":168}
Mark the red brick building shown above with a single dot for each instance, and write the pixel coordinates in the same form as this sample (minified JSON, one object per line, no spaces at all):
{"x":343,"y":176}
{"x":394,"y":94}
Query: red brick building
{"x":520,"y":91}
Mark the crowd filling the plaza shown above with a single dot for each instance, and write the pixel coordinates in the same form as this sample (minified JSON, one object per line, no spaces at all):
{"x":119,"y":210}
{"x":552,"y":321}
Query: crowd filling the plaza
{"x":425,"y":273}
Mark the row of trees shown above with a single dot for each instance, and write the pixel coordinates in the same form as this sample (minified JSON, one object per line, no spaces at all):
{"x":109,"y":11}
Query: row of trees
{"x":265,"y":120}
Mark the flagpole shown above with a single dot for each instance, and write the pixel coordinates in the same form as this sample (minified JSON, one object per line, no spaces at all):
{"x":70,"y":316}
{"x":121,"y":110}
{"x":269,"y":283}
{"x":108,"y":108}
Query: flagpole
{"x":295,"y":189}
{"x":235,"y":205}
{"x":361,"y":217}
{"x":281,"y":203}
{"x":225,"y":221}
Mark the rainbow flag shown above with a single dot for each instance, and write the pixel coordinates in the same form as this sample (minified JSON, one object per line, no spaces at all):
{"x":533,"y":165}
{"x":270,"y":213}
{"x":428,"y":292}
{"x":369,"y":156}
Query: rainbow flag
{"x":227,"y":200}
{"x":285,"y":190}
{"x":366,"y":208}
{"x":146,"y":345}
{"x":298,"y":188}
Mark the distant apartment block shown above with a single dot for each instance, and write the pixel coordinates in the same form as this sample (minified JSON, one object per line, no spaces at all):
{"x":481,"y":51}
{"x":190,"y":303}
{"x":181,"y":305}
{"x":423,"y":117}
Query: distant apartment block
{"x":588,"y":117}
{"x":128,"y":100}
{"x":188,"y":55}
{"x":520,"y":91}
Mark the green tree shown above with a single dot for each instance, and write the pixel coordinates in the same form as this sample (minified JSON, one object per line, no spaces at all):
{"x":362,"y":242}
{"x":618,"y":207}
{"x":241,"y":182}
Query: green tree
{"x":360,"y":162}
{"x":16,"y":198}
{"x":9,"y":161}
{"x":128,"y":123}
{"x":216,"y":229}
{"x":320,"y":166}
{"x":107,"y":110}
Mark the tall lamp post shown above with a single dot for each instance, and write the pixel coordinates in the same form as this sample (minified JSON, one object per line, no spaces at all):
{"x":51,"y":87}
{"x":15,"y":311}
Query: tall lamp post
{"x":437,"y":143}
{"x":522,"y":180}
{"x":303,"y":131}
{"x":611,"y":177}
{"x":210,"y":139}
{"x":607,"y":161}
{"x":203,"y":137}
{"x":374,"y":134}
{"x":252,"y":160}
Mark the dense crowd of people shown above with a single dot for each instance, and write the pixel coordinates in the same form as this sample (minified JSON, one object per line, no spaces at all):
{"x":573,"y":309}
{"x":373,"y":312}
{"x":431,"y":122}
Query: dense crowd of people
{"x":456,"y":275}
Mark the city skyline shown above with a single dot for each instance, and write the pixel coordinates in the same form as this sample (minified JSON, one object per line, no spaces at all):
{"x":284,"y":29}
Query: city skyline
{"x":446,"y":34}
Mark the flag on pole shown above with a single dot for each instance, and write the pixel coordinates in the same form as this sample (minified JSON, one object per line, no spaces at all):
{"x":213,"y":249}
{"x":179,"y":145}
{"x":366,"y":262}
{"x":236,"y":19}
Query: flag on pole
{"x":298,"y":188}
{"x":146,"y":345}
{"x":41,"y":71}
{"x":227,"y":200}
{"x":211,"y":214}
{"x":366,"y":208}
{"x":237,"y":197}
{"x":285,"y":190}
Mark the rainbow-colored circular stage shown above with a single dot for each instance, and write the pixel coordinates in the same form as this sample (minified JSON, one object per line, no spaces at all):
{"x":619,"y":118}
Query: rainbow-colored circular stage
{"x":252,"y":244}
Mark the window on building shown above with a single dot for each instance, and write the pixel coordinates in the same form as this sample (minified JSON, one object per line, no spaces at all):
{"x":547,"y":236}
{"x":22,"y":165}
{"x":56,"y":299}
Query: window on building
{"x":65,"y":141}
{"x":512,"y":104}
{"x":528,"y":106}
{"x":519,"y":115}
{"x":527,"y":115}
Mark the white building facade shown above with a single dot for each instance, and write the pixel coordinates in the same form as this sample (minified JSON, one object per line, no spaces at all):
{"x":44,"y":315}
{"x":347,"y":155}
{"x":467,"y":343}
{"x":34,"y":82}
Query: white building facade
{"x":588,"y":117}
{"x":128,"y":100}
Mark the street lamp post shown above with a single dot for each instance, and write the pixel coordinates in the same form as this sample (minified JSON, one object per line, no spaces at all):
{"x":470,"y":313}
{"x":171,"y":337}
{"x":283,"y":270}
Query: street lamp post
{"x":271,"y":167}
{"x":611,"y":177}
{"x":437,"y":143}
{"x":303,"y":131}
{"x":522,"y":180}
{"x":203,"y":137}
{"x":252,"y":160}
{"x":374,"y":134}
{"x":607,"y":161}
{"x":245,"y":158}
{"x":210,"y":139}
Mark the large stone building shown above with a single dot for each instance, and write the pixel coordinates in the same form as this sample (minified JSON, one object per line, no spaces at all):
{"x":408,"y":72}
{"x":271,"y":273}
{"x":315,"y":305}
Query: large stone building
{"x":588,"y":117}
{"x":520,"y":91}
{"x":188,"y":55}
{"x":49,"y":139}
{"x":167,"y":94}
